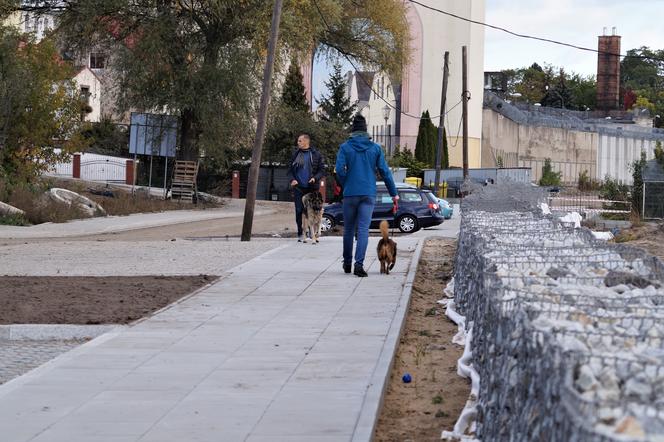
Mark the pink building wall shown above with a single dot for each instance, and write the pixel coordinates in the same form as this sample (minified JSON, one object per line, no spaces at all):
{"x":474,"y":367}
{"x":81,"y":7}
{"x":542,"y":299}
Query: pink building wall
{"x":411,"y":84}
{"x":307,"y":68}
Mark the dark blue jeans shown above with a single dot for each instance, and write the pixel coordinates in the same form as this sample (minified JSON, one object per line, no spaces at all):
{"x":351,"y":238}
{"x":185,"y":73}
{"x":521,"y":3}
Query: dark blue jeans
{"x":298,"y":193}
{"x":357,"y":217}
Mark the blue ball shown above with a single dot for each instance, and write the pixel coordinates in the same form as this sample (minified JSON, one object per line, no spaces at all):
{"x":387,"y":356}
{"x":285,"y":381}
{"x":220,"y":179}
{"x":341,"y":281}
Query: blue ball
{"x":406,"y":378}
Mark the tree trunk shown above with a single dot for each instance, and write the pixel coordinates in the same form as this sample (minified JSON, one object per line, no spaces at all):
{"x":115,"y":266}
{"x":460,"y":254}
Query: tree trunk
{"x":188,"y":136}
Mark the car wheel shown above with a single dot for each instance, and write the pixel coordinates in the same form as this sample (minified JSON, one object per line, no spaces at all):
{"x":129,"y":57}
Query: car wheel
{"x":407,"y":224}
{"x":326,"y":223}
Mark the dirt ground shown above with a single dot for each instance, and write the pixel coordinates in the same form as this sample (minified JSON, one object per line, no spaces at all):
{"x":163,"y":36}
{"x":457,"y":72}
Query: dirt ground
{"x":421,"y":410}
{"x":648,"y":236}
{"x":90,"y":300}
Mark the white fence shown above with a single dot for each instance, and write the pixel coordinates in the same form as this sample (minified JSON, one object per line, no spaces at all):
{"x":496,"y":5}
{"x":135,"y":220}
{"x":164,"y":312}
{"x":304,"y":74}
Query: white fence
{"x":94,"y":167}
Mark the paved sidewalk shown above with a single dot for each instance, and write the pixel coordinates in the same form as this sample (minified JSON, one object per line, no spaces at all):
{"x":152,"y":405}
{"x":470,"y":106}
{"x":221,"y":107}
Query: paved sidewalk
{"x":286,"y":347}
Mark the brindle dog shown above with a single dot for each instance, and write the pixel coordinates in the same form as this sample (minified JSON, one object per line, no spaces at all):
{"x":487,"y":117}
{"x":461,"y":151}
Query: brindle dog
{"x":312,"y":215}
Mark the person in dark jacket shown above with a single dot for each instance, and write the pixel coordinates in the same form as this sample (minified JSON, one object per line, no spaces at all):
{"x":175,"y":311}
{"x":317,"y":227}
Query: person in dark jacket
{"x":307,"y":168}
{"x":358,"y":160}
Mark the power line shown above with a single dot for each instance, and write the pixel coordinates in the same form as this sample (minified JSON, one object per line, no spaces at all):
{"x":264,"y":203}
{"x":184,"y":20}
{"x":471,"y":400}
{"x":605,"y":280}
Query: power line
{"x":362,"y":76}
{"x":532,"y":37}
{"x":456,"y":138}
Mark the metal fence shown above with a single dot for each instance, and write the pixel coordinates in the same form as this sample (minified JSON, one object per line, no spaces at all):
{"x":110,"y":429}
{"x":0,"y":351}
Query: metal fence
{"x":567,"y":330}
{"x":653,"y":200}
{"x":588,"y":205}
{"x":569,"y":170}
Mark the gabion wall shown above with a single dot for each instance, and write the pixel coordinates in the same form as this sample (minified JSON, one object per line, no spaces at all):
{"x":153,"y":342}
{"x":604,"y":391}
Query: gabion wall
{"x":567,"y":330}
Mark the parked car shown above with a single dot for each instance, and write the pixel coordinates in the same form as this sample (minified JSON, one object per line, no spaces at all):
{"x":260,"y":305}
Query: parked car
{"x":445,"y":208}
{"x":417,"y":209}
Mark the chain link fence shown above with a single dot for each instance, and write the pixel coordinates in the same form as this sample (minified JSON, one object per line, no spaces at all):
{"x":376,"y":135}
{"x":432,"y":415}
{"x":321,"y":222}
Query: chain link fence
{"x":567,"y":330}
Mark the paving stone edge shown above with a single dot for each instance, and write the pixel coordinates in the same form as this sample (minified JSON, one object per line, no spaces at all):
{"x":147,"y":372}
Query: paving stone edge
{"x":373,"y":399}
{"x":53,"y":332}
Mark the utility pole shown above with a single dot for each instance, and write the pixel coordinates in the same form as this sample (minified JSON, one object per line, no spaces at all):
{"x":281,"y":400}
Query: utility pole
{"x":252,"y":183}
{"x":464,"y":98}
{"x":441,"y":122}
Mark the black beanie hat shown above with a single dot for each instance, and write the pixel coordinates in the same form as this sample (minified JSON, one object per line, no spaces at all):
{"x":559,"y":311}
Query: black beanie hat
{"x":359,"y":124}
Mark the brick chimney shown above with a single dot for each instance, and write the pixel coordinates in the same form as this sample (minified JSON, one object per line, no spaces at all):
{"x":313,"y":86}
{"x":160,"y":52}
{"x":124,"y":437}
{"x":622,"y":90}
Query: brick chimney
{"x":608,"y":71}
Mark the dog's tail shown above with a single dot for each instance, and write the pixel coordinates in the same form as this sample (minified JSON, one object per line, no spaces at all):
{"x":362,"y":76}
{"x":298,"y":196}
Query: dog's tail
{"x":384,"y":229}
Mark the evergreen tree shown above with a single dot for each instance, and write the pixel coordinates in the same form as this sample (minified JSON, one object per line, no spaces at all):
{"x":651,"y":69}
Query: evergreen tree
{"x":337,"y":107}
{"x":637,"y":186}
{"x":433,"y":130}
{"x":422,"y":138}
{"x":558,"y":94}
{"x":427,"y":138}
{"x":293,"y":94}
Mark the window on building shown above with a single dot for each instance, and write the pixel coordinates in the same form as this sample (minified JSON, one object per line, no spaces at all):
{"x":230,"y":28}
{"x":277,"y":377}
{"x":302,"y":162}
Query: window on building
{"x":85,"y":94}
{"x":97,"y":60}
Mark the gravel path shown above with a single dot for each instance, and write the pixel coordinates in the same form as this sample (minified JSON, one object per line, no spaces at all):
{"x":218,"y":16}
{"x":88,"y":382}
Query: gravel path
{"x":112,"y":258}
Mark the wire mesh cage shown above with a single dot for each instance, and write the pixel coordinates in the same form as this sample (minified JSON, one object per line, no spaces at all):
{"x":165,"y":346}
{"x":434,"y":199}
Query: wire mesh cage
{"x":567,"y":330}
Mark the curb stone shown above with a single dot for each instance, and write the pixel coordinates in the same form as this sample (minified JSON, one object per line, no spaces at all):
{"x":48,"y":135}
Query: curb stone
{"x":52,"y":332}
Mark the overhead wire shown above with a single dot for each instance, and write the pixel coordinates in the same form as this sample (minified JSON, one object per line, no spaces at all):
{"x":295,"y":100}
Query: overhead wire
{"x":532,"y":37}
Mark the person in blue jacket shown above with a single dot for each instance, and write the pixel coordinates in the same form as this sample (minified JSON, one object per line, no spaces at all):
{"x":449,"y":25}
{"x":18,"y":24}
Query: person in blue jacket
{"x":307,"y":168}
{"x":358,"y":160}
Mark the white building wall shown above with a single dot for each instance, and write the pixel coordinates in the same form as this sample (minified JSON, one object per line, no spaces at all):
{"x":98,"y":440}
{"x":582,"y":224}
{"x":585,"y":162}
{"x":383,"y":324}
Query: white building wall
{"x":37,"y":24}
{"x":374,"y":113}
{"x":616,"y":153}
{"x":86,"y":78}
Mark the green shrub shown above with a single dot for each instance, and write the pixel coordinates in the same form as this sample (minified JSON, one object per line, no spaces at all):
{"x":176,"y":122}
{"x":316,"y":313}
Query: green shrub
{"x":659,"y":153}
{"x":549,"y":177}
{"x":13,"y":220}
{"x":614,"y":190}
{"x":406,"y":159}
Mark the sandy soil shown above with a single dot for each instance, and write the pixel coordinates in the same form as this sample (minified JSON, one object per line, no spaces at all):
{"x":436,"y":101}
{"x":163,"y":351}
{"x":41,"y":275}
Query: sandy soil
{"x":648,"y":236}
{"x":431,"y":403}
{"x":90,"y":300}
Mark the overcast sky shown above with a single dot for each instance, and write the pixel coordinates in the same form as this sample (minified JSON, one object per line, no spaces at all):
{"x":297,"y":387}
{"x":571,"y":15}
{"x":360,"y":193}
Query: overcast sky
{"x":579,"y":22}
{"x":639,"y":22}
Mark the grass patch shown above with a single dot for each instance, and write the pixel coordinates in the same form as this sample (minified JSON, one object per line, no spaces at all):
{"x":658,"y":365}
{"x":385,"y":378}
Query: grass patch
{"x":437,"y":399}
{"x":13,"y":220}
{"x":431,"y":312}
{"x":40,"y":208}
{"x":625,"y":236}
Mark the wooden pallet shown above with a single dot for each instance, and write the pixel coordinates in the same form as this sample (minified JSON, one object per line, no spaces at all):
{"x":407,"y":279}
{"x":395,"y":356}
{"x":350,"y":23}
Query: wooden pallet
{"x":183,"y":185}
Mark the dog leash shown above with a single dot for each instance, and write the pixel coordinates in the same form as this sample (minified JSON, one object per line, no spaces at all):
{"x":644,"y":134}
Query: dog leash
{"x":395,"y":209}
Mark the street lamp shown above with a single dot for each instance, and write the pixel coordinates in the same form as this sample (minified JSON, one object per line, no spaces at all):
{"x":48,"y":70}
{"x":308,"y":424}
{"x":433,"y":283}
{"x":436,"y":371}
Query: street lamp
{"x":386,"y":115}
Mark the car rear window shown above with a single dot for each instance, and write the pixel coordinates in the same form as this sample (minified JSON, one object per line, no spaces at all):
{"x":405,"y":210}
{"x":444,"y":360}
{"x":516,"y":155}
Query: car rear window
{"x":410,"y":197}
{"x":431,"y":197}
{"x":383,"y":198}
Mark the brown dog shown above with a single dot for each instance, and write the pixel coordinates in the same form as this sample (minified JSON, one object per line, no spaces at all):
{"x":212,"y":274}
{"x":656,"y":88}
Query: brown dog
{"x":387,"y":250}
{"x":312,"y":215}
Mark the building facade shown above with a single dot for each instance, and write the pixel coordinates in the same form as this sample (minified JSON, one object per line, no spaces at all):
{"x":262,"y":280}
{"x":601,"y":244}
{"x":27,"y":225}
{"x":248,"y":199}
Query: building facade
{"x":90,"y":88}
{"x":433,"y":33}
{"x":375,"y":98}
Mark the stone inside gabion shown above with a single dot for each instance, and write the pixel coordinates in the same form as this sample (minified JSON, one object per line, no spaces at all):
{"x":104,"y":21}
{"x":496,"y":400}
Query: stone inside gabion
{"x":568,"y":331}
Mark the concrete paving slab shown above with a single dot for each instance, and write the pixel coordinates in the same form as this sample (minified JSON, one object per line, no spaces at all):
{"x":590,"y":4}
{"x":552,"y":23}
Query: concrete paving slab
{"x":233,"y":364}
